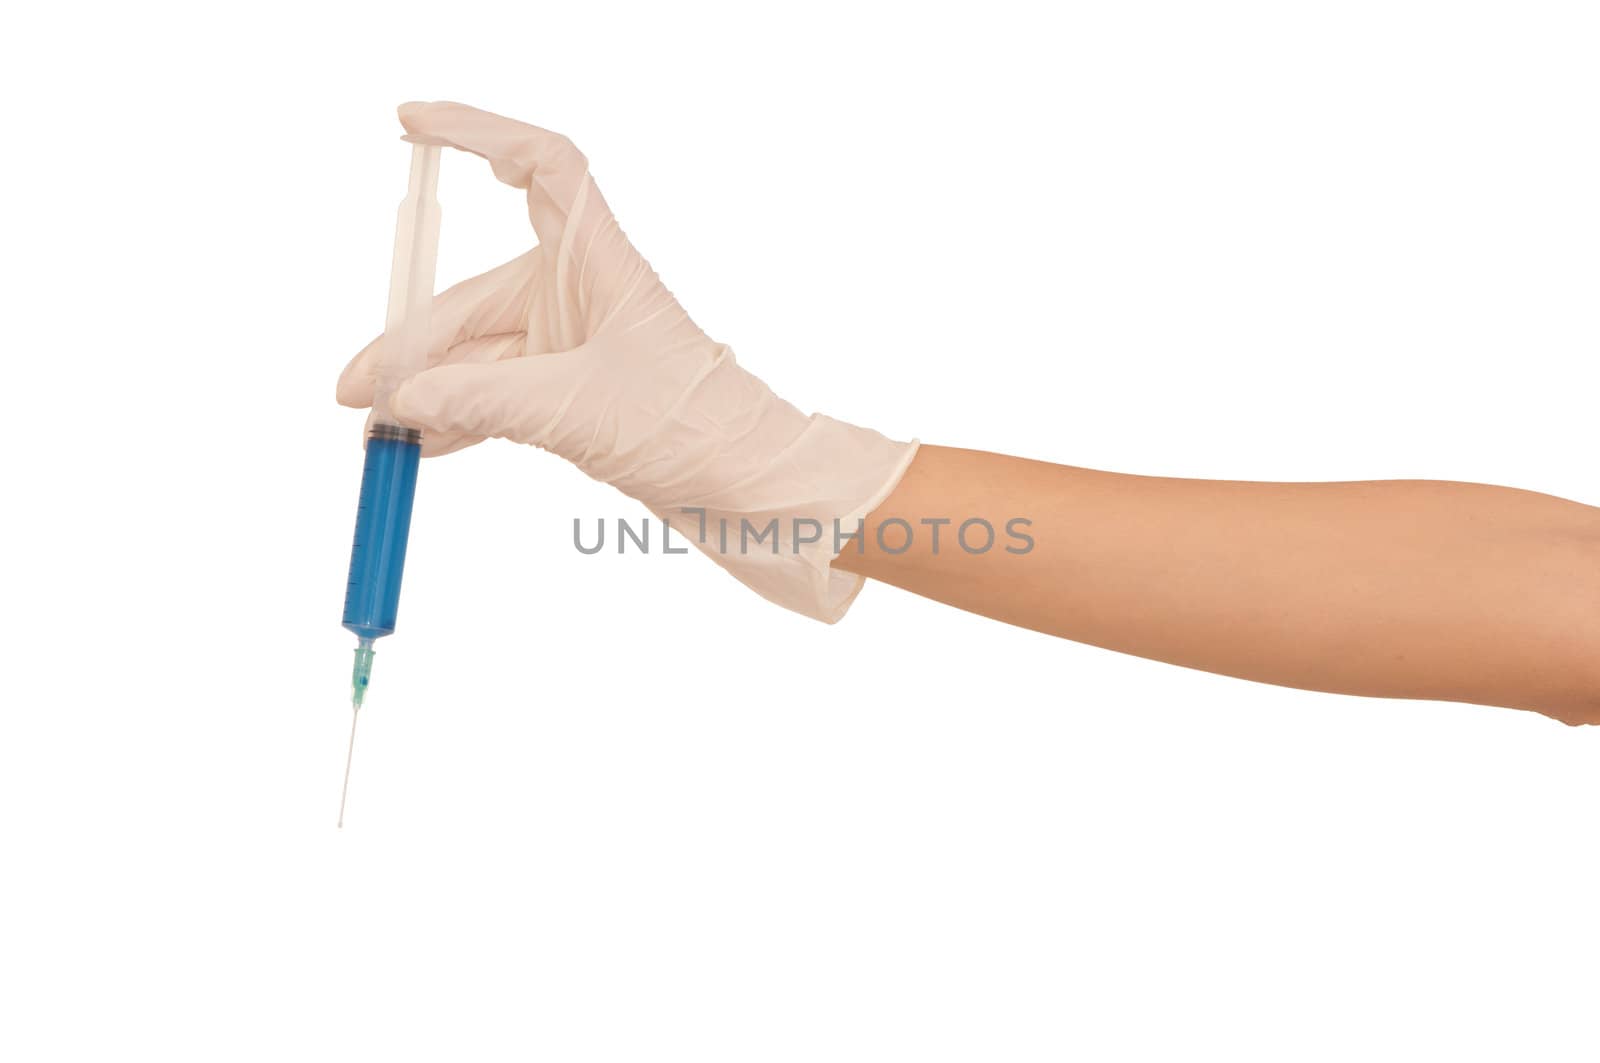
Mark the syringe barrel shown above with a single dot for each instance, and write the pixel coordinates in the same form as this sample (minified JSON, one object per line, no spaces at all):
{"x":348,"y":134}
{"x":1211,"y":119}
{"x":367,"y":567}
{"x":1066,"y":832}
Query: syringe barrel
{"x":389,"y":474}
{"x":383,"y":524}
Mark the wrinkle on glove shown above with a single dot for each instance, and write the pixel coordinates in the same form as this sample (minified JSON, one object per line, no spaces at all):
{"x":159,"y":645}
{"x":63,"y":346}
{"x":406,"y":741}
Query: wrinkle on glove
{"x":578,"y":348}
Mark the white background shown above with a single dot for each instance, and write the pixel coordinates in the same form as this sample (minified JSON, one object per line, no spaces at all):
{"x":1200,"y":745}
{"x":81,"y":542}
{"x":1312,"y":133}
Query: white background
{"x":619,"y":808}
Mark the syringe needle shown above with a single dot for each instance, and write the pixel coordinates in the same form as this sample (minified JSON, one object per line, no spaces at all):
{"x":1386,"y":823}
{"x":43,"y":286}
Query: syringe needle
{"x":344,"y":792}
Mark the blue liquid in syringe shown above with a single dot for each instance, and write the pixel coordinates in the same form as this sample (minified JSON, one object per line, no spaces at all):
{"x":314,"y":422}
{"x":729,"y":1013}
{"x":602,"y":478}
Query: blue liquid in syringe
{"x":378,"y":554}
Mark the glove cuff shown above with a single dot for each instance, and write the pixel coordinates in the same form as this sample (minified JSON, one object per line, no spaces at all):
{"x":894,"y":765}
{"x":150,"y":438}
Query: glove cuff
{"x":766,"y":492}
{"x":779,"y":532}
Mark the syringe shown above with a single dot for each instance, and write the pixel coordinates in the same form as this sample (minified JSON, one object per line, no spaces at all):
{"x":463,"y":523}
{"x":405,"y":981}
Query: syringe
{"x":389,"y":474}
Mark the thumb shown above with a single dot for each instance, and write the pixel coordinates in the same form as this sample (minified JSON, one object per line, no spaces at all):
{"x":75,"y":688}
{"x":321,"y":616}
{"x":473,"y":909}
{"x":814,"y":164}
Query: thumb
{"x":489,"y":304}
{"x":521,"y":399}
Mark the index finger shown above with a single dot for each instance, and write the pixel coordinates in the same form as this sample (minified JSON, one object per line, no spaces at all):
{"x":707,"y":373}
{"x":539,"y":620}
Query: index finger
{"x":520,"y":154}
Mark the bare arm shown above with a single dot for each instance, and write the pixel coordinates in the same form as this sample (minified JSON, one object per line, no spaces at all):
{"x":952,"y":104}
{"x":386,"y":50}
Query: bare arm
{"x":1393,"y":588}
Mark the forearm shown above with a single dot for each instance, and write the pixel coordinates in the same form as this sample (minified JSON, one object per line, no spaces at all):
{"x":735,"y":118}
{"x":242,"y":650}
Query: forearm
{"x":1399,"y":588}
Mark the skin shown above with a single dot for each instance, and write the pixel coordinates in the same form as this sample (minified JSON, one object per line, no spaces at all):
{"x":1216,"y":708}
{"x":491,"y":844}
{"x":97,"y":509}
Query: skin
{"x":1393,"y":588}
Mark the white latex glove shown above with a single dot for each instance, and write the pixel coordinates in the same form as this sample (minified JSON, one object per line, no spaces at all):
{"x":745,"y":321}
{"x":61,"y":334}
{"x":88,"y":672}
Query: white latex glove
{"x":578,"y":348}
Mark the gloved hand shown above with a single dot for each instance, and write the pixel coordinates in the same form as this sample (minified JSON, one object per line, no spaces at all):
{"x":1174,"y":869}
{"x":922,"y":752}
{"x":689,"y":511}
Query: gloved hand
{"x":578,"y":348}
